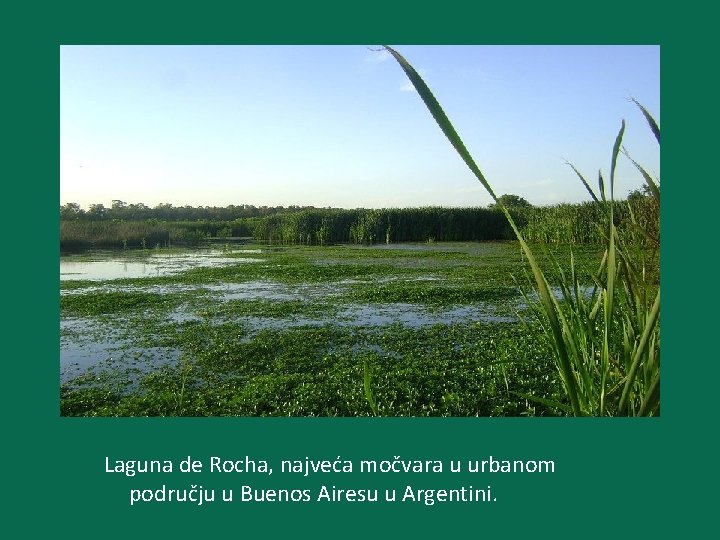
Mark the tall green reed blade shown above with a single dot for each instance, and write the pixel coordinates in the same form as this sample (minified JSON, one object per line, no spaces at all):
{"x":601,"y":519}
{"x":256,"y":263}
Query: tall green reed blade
{"x":651,"y":402}
{"x":650,"y":120}
{"x":596,"y":307}
{"x":442,"y":120}
{"x":616,"y":152}
{"x":585,"y":183}
{"x":654,"y":189}
{"x":611,"y":269}
{"x":637,"y":358}
{"x":557,"y":322}
{"x":367,"y":382}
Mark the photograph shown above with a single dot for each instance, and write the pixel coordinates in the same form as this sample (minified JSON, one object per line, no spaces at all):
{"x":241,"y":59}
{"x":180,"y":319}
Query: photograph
{"x":359,"y":231}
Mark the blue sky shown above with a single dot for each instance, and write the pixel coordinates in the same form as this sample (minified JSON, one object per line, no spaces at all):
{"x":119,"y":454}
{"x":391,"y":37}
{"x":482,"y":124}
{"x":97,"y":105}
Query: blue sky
{"x":340,"y":126}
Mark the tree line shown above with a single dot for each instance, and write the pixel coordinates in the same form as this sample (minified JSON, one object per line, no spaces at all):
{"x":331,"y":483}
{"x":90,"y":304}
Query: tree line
{"x":120,"y":210}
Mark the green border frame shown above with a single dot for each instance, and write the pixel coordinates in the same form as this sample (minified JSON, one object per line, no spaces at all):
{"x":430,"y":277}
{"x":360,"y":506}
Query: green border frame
{"x":614,"y":477}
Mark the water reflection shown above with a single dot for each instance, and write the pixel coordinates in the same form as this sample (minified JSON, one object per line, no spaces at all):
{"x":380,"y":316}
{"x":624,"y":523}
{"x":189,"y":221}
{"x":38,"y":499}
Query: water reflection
{"x":113,"y":265}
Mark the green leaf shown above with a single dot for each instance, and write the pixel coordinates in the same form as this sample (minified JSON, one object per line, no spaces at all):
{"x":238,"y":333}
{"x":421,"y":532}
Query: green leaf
{"x":648,"y":179}
{"x":557,"y":323}
{"x":601,"y":183}
{"x":544,"y":401}
{"x":650,"y":120}
{"x":616,"y":151}
{"x":585,"y":183}
{"x":650,"y":324}
{"x":368,"y":387}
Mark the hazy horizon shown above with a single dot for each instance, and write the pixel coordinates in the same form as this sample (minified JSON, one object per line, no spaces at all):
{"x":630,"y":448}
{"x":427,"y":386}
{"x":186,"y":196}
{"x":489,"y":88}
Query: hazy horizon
{"x":289,"y":206}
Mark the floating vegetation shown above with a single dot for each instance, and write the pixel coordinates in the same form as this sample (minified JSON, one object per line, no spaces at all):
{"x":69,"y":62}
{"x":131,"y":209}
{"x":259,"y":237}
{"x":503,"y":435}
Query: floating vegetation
{"x":291,"y":336}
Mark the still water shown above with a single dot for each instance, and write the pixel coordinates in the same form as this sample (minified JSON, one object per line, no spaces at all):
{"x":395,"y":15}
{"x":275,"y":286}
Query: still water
{"x":135,"y":264}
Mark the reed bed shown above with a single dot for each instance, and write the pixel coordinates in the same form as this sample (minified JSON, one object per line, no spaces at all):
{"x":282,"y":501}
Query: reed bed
{"x":81,"y":235}
{"x":366,"y":226}
{"x":78,"y":235}
{"x":557,"y":224}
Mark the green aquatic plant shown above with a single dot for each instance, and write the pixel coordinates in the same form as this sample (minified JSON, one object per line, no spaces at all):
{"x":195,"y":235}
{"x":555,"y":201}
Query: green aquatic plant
{"x":185,"y":371}
{"x":367,"y":384}
{"x":607,"y":350}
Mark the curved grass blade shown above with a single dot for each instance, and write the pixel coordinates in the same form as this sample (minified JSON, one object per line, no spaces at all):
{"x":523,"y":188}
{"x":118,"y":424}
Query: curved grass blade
{"x":544,"y":401}
{"x":616,"y":151}
{"x":651,"y":403}
{"x":648,"y":179}
{"x":601,"y":184}
{"x":582,"y":179}
{"x":650,"y":120}
{"x":441,"y":118}
{"x":610,"y":290}
{"x":609,"y":295}
{"x":650,"y":324}
{"x":558,"y":324}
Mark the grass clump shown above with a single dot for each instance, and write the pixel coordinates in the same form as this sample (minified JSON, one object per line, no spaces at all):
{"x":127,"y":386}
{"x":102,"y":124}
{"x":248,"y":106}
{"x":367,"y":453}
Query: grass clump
{"x":607,"y":348}
{"x":105,"y":303}
{"x":422,"y":292}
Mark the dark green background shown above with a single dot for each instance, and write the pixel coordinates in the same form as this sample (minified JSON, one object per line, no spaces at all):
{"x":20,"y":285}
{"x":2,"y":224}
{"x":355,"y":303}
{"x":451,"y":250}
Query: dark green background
{"x":615,"y":478}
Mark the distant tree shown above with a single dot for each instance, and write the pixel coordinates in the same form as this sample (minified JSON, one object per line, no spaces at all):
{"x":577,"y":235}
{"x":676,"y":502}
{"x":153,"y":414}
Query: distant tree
{"x":638,"y":194}
{"x":117,"y":210}
{"x":71,"y":212}
{"x":137,"y":211}
{"x":512,"y":201}
{"x":164,"y":211}
{"x":97,"y":212}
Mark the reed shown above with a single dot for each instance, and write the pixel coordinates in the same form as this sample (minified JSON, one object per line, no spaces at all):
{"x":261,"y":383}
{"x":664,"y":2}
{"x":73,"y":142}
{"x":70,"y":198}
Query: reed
{"x":607,"y":345}
{"x":78,"y":235}
{"x":387,"y":225}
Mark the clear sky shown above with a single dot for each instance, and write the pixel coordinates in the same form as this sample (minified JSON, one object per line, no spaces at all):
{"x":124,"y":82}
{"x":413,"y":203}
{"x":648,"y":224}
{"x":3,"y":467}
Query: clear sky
{"x":341,"y":126}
